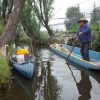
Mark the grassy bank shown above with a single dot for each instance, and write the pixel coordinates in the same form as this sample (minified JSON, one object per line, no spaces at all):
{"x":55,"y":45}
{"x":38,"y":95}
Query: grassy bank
{"x":42,"y":39}
{"x":5,"y":74}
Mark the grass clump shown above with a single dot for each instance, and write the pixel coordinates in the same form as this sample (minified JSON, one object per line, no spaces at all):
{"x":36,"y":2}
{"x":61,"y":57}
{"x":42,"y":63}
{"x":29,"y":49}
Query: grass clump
{"x":5,"y":73}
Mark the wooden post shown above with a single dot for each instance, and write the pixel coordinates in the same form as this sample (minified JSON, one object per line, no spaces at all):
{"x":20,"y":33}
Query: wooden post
{"x":4,"y":51}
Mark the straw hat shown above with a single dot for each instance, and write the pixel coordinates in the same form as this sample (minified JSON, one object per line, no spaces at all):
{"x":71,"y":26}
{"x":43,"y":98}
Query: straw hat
{"x":83,"y":20}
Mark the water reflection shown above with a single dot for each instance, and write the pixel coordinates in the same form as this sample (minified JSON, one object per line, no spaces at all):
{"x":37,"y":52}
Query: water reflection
{"x":84,"y":87}
{"x":47,"y":87}
{"x":54,"y":80}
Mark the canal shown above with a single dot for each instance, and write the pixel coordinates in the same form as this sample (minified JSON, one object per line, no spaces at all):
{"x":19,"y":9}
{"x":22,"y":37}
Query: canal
{"x":53,"y":80}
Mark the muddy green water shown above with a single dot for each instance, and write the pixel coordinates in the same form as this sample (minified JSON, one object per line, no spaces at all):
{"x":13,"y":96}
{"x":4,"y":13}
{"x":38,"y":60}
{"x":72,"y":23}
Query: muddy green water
{"x":54,"y":80}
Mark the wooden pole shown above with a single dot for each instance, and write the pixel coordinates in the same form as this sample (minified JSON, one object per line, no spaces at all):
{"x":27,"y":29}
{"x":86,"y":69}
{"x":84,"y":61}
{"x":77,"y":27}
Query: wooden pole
{"x":31,"y":45}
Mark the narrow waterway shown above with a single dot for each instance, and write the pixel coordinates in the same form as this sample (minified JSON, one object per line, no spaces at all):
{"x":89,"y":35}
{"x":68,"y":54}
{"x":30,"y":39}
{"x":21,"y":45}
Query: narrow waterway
{"x":53,"y":80}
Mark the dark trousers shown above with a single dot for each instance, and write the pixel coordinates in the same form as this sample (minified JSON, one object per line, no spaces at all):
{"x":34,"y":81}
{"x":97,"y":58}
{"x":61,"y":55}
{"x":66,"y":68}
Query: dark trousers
{"x":85,"y":51}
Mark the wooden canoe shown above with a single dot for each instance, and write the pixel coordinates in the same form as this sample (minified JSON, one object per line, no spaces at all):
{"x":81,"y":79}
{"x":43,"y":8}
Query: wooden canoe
{"x":77,"y":58}
{"x":26,"y":68}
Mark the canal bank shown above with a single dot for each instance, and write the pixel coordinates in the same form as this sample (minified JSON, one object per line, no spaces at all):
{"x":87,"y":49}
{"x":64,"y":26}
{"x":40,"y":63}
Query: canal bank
{"x":5,"y":74}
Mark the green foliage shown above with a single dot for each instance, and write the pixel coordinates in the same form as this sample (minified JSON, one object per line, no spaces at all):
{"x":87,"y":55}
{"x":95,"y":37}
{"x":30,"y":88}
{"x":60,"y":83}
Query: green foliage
{"x":24,"y":38}
{"x":43,"y":10}
{"x":5,"y":73}
{"x":11,"y":48}
{"x":95,"y":15}
{"x":96,"y":40}
{"x":43,"y":35}
{"x":5,"y":10}
{"x":1,"y":29}
{"x":29,"y":21}
{"x":96,"y":37}
{"x":21,"y":35}
{"x":32,"y":17}
{"x":73,"y":14}
{"x":73,"y":28}
{"x":42,"y":38}
{"x":95,"y":27}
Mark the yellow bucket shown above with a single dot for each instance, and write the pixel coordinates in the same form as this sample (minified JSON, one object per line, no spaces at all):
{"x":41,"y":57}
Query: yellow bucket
{"x":22,"y":51}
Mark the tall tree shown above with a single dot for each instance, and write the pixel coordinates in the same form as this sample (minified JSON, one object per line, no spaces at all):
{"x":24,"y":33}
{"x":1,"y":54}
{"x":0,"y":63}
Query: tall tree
{"x":95,"y":17}
{"x":12,"y":23}
{"x":73,"y":14}
{"x":43,"y":10}
{"x":5,"y":3}
{"x":5,"y":10}
{"x":29,"y":21}
{"x":95,"y":23}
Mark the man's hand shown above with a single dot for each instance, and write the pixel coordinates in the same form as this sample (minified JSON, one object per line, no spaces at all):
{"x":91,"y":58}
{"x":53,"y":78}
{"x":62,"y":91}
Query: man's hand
{"x":80,"y":33}
{"x":75,"y":37}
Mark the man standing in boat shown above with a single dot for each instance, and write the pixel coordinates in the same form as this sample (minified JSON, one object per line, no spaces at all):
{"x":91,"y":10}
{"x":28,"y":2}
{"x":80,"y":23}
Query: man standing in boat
{"x":84,"y":35}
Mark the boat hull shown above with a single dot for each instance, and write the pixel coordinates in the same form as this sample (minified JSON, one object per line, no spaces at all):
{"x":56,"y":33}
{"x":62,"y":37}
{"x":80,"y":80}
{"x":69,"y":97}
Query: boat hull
{"x":27,"y":69}
{"x":74,"y":58}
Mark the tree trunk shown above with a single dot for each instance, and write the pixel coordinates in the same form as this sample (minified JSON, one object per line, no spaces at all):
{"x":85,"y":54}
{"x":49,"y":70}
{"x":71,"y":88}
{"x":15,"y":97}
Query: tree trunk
{"x":49,"y":30}
{"x":11,"y":26}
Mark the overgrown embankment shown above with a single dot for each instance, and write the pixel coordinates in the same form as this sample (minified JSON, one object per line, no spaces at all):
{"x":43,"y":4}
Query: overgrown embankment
{"x":5,"y":73}
{"x":42,"y":39}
